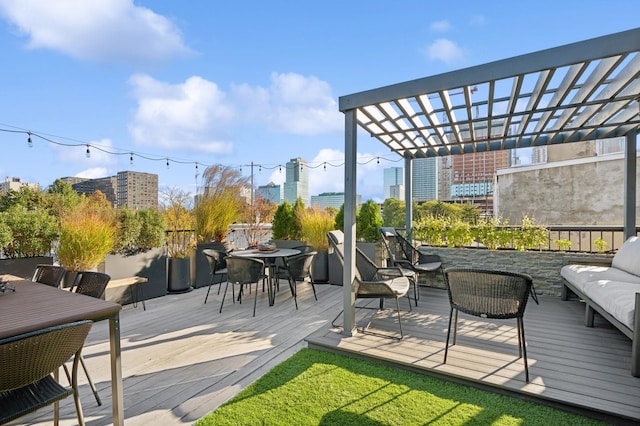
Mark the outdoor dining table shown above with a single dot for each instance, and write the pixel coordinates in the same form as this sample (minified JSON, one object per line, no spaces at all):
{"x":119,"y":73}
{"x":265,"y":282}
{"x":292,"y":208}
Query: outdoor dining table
{"x":269,"y":257}
{"x":34,"y":306}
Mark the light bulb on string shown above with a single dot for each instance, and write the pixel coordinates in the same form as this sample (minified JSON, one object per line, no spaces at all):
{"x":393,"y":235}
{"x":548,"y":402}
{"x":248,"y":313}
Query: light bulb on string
{"x":167,"y":163}
{"x":378,"y":160}
{"x":196,"y":165}
{"x":131,"y":158}
{"x":88,"y":153}
{"x":325,"y":166}
{"x":280,"y":168}
{"x":29,"y":141}
{"x":259,"y":169}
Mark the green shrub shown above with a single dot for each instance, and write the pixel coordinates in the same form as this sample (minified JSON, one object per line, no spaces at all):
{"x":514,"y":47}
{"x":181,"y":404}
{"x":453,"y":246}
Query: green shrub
{"x":369,"y":222}
{"x":431,"y":230}
{"x":529,"y":235}
{"x":32,"y":232}
{"x":600,"y":244}
{"x":493,"y":233}
{"x":563,"y":244}
{"x":315,"y":224}
{"x":283,"y":222}
{"x":459,"y":234}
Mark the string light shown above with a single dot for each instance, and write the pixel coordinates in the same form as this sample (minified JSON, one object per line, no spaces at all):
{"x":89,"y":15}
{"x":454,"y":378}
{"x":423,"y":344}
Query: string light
{"x":280,"y":168}
{"x":378,"y":160}
{"x":325,"y":166}
{"x":131,"y":159}
{"x":88,"y":153}
{"x":167,"y":163}
{"x":29,"y":141}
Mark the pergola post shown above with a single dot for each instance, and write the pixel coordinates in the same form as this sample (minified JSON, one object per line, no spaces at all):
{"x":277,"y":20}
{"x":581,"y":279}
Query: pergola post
{"x":408,"y":195}
{"x":348,"y":273}
{"x":630,"y":184}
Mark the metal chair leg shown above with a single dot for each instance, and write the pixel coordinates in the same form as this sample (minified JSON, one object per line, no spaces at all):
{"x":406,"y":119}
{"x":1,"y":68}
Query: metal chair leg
{"x":93,"y":387}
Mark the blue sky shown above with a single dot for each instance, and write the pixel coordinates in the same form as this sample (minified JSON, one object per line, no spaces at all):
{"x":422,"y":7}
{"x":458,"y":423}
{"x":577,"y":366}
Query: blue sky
{"x":241,"y":82}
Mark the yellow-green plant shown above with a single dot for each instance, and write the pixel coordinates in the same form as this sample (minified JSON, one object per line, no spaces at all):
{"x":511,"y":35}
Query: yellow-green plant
{"x":87,"y":234}
{"x":178,"y":218}
{"x":315,"y":223}
{"x":530,"y":235}
{"x":600,"y":244}
{"x":431,"y":230}
{"x":562,"y":244}
{"x":459,"y":234}
{"x":493,"y":233}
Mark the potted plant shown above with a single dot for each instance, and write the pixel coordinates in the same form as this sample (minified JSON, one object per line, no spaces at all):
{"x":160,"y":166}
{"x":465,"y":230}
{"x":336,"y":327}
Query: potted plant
{"x":285,"y":231}
{"x":87,"y":235}
{"x":217,"y":206}
{"x":139,"y":250}
{"x":181,"y":241}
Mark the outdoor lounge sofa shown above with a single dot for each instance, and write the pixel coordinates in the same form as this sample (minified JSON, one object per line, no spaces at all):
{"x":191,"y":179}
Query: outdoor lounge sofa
{"x":611,"y":290}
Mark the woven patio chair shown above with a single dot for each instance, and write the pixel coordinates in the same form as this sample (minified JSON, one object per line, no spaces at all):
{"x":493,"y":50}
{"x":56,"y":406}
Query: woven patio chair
{"x":298,"y":268}
{"x":217,"y":268}
{"x":51,"y":275}
{"x":92,"y":284}
{"x":243,"y":271}
{"x":28,"y":362}
{"x":385,"y":283}
{"x":489,"y":294}
{"x":403,"y":254}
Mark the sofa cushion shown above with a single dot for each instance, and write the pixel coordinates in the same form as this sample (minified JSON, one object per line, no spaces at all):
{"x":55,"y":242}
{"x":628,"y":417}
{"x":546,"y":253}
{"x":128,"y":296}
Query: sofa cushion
{"x":617,"y":298}
{"x":628,"y":256}
{"x":580,"y":275}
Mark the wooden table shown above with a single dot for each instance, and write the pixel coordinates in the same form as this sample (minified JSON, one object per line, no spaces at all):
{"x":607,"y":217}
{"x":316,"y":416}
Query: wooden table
{"x":36,"y":306}
{"x":269,"y":257}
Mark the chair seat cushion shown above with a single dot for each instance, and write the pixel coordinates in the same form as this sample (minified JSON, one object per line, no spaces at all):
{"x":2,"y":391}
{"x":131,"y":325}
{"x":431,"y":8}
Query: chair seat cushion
{"x":427,"y":267}
{"x":617,"y":298}
{"x":581,"y":275}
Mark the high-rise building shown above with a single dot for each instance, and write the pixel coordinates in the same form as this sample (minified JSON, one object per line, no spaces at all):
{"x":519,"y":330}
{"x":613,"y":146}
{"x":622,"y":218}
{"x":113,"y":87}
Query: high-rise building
{"x":393,"y":181}
{"x":107,"y":185}
{"x":296,"y":184}
{"x":425,"y":179}
{"x":137,"y":191}
{"x":270,"y":192}
{"x":331,"y":199}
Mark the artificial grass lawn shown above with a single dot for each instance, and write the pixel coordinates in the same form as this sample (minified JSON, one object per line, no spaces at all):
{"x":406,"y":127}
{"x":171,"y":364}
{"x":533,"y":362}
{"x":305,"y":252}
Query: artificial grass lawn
{"x":320,"y":388}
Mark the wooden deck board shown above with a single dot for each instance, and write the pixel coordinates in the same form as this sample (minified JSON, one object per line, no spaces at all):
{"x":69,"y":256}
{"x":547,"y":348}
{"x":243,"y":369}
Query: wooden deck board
{"x":181,"y":358}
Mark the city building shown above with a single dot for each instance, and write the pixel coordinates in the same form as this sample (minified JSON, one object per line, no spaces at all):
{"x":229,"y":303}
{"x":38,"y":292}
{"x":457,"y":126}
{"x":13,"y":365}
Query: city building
{"x":296,"y":184}
{"x":393,"y":181}
{"x":137,"y":190}
{"x":15,"y":184}
{"x":331,"y":199}
{"x":270,"y":192}
{"x":425,"y":179}
{"x":132,"y":190}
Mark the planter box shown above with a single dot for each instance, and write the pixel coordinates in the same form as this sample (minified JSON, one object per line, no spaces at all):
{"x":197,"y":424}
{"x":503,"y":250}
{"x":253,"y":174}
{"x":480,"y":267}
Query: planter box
{"x":151,"y":265}
{"x":23,"y":267}
{"x":320,"y":267}
{"x":201,"y":265}
{"x":179,"y":275}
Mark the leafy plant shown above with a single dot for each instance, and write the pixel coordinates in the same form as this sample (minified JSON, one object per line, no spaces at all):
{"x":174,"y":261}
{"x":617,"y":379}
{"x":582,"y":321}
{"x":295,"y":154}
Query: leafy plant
{"x":393,"y":213}
{"x":178,"y":217}
{"x":127,"y":231}
{"x":6,"y":235}
{"x":254,"y":218}
{"x":459,"y":234}
{"x":369,"y":222}
{"x":493,"y":233}
{"x":283,"y":222}
{"x":32,"y":232}
{"x":529,"y":235}
{"x":431,"y":230}
{"x":315,"y":224}
{"x":600,"y":244}
{"x":152,"y":229}
{"x":562,"y":244}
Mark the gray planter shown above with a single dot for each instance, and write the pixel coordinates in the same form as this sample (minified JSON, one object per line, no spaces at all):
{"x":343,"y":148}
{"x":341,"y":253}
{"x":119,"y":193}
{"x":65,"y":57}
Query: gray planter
{"x":23,"y":267}
{"x":288,"y":243}
{"x":320,"y":267}
{"x":151,"y":264}
{"x":178,"y":275}
{"x":202,"y":275}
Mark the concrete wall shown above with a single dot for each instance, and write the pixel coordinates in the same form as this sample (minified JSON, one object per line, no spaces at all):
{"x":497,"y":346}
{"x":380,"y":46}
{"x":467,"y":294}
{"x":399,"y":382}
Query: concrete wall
{"x":586,"y":191}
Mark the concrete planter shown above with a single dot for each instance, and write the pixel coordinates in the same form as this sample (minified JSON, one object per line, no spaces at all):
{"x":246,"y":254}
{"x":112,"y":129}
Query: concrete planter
{"x":201,"y":265}
{"x":23,"y":267}
{"x":178,"y":275}
{"x":320,"y":267}
{"x":151,"y":264}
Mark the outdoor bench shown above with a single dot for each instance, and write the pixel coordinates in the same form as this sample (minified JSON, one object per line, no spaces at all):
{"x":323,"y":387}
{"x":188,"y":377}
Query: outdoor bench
{"x":135,"y":281}
{"x":610,"y":287}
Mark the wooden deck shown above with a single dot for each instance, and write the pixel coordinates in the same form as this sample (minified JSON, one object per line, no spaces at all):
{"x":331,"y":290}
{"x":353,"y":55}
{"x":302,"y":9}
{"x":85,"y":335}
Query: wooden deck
{"x":182,"y":359}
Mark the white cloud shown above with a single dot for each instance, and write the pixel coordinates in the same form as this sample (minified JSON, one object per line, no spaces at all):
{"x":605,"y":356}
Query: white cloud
{"x":446,"y":51}
{"x":96,"y":30}
{"x":94,"y":173}
{"x":293,"y":104}
{"x":440,"y":26}
{"x":188,"y":115}
{"x":197,"y":114}
{"x":78,"y":154}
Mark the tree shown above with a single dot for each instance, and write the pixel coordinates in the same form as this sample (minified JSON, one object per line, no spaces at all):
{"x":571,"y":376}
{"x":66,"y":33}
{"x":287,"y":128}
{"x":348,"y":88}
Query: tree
{"x":254,"y":217}
{"x":298,"y":211}
{"x":178,"y":216}
{"x":340,"y":219}
{"x":393,"y":213}
{"x":283,"y":222}
{"x":26,"y":197}
{"x":369,"y":222}
{"x":61,"y":198}
{"x":220,"y":203}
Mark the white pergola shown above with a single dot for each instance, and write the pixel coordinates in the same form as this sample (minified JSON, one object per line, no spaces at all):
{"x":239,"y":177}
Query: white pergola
{"x":578,"y":92}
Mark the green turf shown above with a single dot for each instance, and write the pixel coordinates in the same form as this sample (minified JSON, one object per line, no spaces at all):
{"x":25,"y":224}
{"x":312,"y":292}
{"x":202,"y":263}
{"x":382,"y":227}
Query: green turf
{"x":319,"y":388}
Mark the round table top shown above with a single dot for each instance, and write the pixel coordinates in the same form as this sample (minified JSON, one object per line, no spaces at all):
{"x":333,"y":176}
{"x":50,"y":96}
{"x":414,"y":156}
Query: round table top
{"x":283,"y":252}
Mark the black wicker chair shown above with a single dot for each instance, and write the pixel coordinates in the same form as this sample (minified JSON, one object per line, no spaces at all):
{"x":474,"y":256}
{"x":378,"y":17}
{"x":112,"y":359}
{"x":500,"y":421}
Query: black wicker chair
{"x":243,"y":271}
{"x":489,"y":294}
{"x":385,"y":283}
{"x":403,"y":254}
{"x":28,"y":361}
{"x":298,"y":268}
{"x":217,"y":268}
{"x":92,"y":284}
{"x":51,"y":275}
